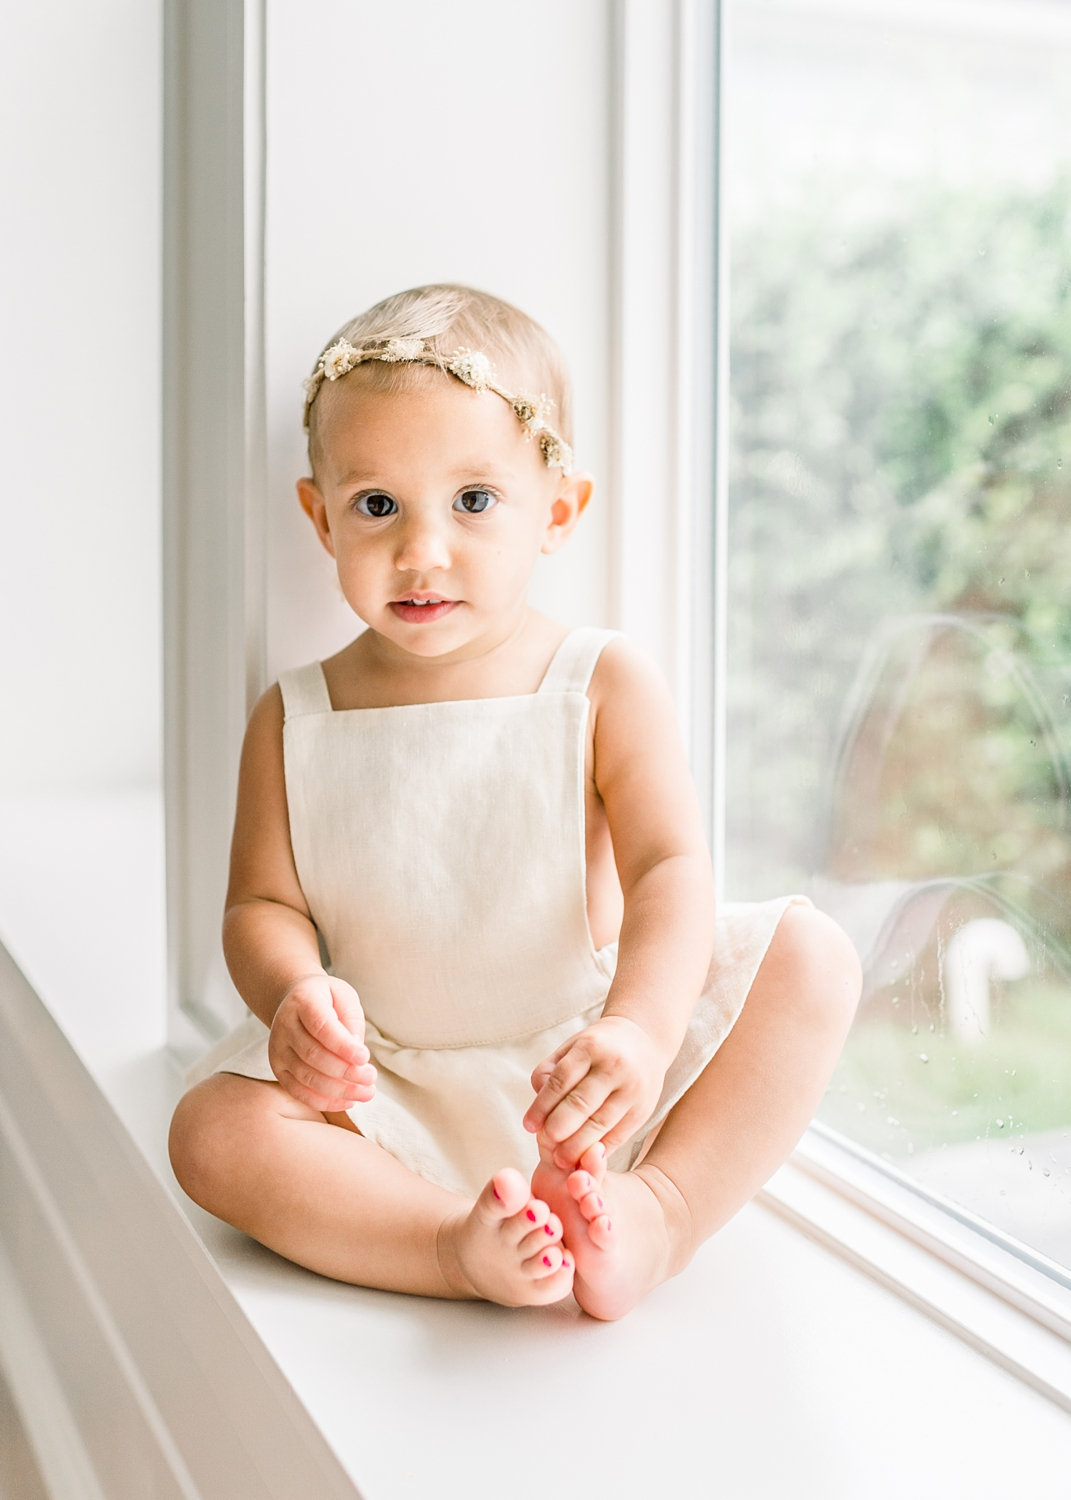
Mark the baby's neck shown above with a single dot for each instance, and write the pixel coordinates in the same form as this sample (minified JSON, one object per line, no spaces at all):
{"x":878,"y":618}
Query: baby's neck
{"x":373,"y":673}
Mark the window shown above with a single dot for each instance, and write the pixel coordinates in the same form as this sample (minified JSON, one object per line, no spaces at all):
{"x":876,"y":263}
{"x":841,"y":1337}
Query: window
{"x":899,"y":633}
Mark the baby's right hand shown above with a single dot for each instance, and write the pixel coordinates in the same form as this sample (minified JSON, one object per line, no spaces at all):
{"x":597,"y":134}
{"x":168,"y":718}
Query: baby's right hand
{"x":316,"y":1048}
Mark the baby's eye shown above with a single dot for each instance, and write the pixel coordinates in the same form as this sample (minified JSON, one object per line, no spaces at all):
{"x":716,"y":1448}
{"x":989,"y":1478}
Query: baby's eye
{"x":475,"y":501}
{"x":376,"y":506}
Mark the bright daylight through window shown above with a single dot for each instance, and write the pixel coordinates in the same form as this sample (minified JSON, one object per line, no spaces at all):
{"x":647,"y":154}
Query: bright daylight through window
{"x":899,"y":637}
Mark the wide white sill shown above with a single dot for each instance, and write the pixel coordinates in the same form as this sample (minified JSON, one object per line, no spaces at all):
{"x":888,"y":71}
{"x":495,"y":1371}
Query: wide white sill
{"x":771,"y":1367}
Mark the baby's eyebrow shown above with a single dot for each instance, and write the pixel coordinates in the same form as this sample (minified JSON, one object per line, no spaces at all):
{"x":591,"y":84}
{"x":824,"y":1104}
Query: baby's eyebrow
{"x":457,"y":473}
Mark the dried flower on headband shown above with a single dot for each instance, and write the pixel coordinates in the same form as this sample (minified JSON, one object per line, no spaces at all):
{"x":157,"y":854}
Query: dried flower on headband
{"x":471,"y":367}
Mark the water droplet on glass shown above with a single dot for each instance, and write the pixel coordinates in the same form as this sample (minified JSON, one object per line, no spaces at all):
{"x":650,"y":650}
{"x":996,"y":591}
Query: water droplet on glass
{"x":999,"y":1124}
{"x":924,"y":1057}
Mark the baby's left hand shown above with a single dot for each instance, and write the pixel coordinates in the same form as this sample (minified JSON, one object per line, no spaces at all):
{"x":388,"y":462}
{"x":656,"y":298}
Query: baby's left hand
{"x":600,"y":1085}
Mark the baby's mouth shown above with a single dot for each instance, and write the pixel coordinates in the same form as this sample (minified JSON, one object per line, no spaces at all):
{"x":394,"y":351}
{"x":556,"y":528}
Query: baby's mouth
{"x":421,"y":609}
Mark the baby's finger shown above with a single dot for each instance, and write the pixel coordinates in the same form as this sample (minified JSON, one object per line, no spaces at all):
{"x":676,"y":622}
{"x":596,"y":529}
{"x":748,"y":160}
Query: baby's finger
{"x":586,"y":1100}
{"x":348,"y":1008}
{"x":567,"y":1072}
{"x":314,"y":1055}
{"x":542,"y":1071}
{"x":328,"y":1032}
{"x":612,"y":1124}
{"x":323,"y":1092}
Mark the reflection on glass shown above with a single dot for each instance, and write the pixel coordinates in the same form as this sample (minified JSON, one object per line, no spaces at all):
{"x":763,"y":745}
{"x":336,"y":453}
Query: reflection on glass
{"x":899,"y":733}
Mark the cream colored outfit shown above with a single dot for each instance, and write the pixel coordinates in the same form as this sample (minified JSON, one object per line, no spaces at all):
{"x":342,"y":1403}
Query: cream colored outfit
{"x":441,"y":849}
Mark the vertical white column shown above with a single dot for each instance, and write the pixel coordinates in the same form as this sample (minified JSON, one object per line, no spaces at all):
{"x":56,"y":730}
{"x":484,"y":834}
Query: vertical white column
{"x":213,"y":465}
{"x":664,"y":402}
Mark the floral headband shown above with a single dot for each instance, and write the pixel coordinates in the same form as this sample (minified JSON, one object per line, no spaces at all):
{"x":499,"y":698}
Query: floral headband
{"x":467,"y":365}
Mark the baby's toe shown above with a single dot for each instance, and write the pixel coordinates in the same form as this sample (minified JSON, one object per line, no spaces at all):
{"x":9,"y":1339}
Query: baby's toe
{"x":541,"y":1237}
{"x":504,"y":1196}
{"x":591,"y":1205}
{"x":601,"y":1231}
{"x":547,"y":1261}
{"x":536,"y":1213}
{"x":593,"y":1160}
{"x":580,"y":1184}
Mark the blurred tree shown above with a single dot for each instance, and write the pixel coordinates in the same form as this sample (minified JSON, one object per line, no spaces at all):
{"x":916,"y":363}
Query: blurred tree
{"x":900,"y":423}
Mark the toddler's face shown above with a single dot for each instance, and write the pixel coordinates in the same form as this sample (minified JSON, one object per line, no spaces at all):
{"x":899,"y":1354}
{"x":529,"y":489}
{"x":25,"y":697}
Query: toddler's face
{"x":434,"y":506}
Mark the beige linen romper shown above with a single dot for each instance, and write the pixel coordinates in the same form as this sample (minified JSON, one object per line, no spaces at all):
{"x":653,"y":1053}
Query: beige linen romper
{"x":441,"y":850}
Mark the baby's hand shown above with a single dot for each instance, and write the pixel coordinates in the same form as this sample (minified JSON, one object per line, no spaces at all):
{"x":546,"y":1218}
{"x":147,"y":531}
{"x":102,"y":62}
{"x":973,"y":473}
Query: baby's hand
{"x":600,"y":1085}
{"x":316,"y":1047}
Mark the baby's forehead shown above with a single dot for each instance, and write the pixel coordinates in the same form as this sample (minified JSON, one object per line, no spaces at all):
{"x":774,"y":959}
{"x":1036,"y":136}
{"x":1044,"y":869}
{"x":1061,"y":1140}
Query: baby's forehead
{"x":366,"y":421}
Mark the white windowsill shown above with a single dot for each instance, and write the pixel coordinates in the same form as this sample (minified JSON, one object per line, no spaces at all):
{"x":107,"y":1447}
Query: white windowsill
{"x":772,"y":1367}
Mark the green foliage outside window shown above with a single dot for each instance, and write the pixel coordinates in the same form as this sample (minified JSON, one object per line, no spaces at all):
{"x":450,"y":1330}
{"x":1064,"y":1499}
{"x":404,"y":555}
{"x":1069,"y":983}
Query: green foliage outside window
{"x":900,"y":604}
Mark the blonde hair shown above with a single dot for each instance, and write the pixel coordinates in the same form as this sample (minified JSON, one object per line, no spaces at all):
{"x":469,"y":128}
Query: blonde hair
{"x":448,"y":317}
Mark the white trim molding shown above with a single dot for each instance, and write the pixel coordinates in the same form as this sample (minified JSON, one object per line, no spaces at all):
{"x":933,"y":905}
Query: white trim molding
{"x":998,"y":1297}
{"x":132,"y":1367}
{"x":213,"y":469}
{"x":664,"y":239}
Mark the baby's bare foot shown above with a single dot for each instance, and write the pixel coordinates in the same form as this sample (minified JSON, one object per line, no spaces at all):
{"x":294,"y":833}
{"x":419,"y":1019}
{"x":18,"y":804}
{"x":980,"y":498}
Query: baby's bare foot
{"x":615,"y":1224}
{"x":507,"y":1248}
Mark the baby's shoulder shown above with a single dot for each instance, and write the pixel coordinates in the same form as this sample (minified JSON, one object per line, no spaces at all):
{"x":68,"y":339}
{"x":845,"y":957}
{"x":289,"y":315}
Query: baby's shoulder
{"x":624,"y":671}
{"x":265,"y":723}
{"x":631,"y":701}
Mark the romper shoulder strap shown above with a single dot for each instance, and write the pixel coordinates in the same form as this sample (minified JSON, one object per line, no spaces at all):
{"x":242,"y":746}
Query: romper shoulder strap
{"x":574,"y":661}
{"x":304,"y":691}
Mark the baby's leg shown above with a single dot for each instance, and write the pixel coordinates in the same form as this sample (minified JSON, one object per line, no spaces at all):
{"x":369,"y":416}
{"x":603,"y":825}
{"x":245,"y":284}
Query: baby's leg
{"x":727,"y":1135}
{"x":334,"y":1202}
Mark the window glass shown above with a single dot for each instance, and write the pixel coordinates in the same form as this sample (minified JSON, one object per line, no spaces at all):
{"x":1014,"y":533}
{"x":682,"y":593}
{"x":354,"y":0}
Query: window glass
{"x":899,"y":638}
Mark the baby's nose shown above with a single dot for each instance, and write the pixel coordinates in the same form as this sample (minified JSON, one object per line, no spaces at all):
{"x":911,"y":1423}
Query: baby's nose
{"x":421,"y":546}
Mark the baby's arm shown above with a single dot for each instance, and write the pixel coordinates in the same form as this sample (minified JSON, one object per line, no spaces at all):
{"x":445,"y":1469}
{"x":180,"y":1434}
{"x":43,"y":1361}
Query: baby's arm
{"x":603,"y":1083}
{"x":316,"y":1047}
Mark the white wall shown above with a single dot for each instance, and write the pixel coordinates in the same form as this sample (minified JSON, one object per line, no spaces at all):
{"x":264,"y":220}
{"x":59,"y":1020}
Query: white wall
{"x":79,"y":396}
{"x":419,"y":142}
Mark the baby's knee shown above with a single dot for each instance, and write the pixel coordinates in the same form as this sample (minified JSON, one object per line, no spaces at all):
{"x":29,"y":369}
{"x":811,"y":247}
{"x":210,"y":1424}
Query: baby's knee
{"x":822,"y":961}
{"x":202,"y":1128}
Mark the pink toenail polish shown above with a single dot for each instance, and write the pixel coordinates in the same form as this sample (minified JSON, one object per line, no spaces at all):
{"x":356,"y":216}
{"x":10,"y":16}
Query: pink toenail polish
{"x":531,"y":1215}
{"x":497,"y":1194}
{"x":547,"y":1229}
{"x":547,"y":1260}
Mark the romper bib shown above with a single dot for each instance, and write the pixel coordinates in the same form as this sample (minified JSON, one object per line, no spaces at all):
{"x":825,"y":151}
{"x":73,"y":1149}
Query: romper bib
{"x":441,"y":850}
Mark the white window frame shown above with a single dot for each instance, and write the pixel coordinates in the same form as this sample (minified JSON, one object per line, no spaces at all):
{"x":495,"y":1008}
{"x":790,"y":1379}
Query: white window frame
{"x":1008,"y":1302}
{"x":667,"y":564}
{"x":214,"y":464}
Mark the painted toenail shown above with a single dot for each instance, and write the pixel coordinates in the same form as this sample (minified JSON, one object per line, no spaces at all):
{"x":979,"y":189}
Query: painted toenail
{"x":547,"y":1260}
{"x":497,"y":1194}
{"x":532,"y":1216}
{"x":547,"y":1229}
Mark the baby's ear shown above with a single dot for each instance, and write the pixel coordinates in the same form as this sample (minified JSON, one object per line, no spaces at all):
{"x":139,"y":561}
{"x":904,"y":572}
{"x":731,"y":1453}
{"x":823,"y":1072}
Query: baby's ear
{"x":574,"y":492}
{"x":312,"y":503}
